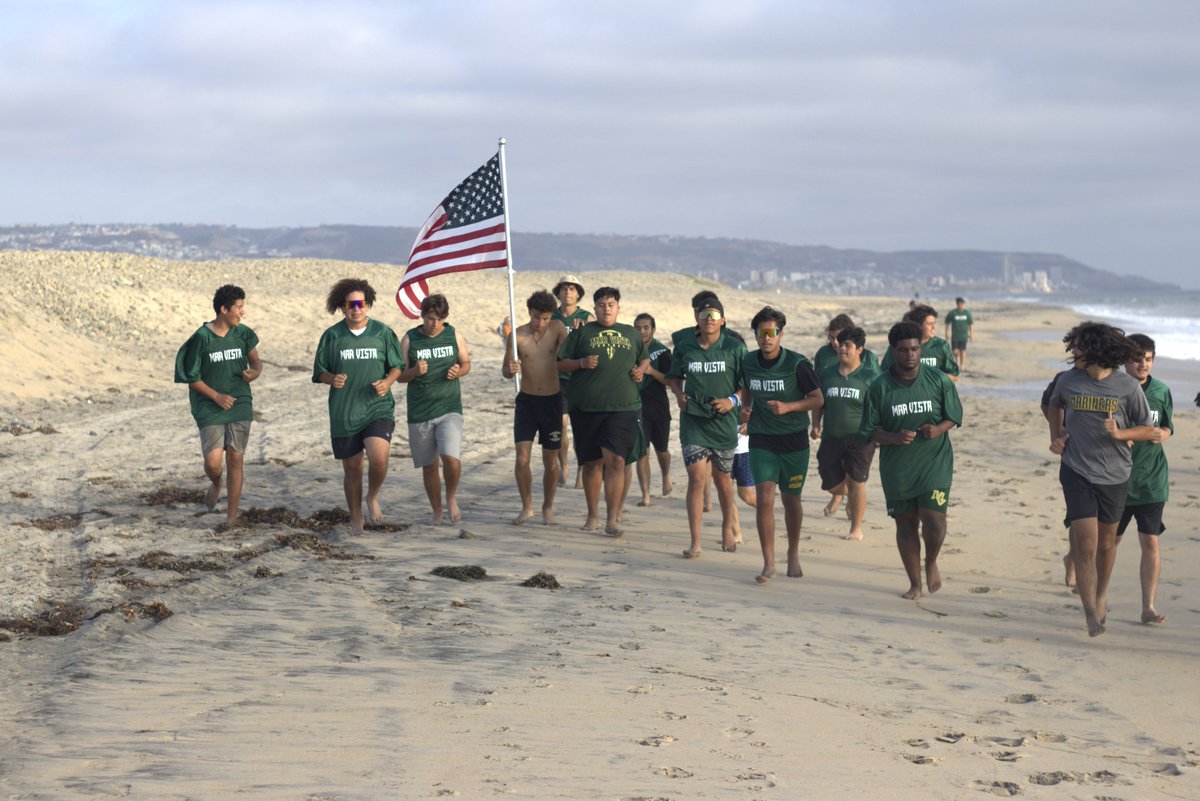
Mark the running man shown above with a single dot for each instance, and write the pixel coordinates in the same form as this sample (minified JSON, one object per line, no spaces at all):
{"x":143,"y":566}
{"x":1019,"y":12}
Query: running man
{"x":827,"y":355}
{"x":1148,"y":486}
{"x":569,"y":292}
{"x":218,"y":362}
{"x":782,"y":390}
{"x":606,"y":361}
{"x":538,"y":406}
{"x":935,"y":351}
{"x":435,"y":360}
{"x":359,"y":358}
{"x":656,"y":409}
{"x":960,"y":329}
{"x":1094,"y":411}
{"x":909,"y":412}
{"x":844,"y":459}
{"x":705,"y":378}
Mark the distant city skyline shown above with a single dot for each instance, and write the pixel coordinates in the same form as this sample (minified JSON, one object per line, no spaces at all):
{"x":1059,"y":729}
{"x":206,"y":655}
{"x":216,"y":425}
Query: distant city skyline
{"x":1009,"y":126}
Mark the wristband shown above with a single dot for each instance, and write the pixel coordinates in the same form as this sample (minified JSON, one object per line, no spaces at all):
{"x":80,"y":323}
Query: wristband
{"x":735,"y":400}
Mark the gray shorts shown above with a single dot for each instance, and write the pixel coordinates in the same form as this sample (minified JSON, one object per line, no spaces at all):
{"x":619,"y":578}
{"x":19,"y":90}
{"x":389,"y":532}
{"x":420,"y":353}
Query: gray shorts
{"x":439,"y":436}
{"x":722,"y":460}
{"x":230,"y":435}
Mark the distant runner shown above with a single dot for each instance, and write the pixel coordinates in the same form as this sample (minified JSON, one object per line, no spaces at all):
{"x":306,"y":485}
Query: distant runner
{"x":960,"y":329}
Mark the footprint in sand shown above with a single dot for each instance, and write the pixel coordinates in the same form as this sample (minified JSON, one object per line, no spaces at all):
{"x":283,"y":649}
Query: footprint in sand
{"x":1021,"y":698}
{"x":657,"y":740}
{"x":920,"y":759}
{"x":671,"y":716}
{"x":1007,"y":756}
{"x":675,"y":773}
{"x":1011,"y":742}
{"x":1166,"y":769}
{"x":738,"y":734}
{"x":1002,"y":789}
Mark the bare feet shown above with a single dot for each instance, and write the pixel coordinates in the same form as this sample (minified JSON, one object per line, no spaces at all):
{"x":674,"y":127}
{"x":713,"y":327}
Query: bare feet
{"x":794,"y":570}
{"x":729,"y":546}
{"x":853,"y":535}
{"x":212,"y":496}
{"x":933,"y":577}
{"x":548,"y":515}
{"x":667,"y":486}
{"x":438,"y":517}
{"x":579,"y":479}
{"x":766,"y":575}
{"x":1151,"y":616}
{"x":1069,"y":567}
{"x":523,"y":517}
{"x":831,"y":508}
{"x":374,"y":513}
{"x":914,"y":592}
{"x":691,"y":553}
{"x":645,"y":501}
{"x":1095,"y":629}
{"x":562,"y":480}
{"x":455,"y":512}
{"x":613,"y":531}
{"x":591,"y":524}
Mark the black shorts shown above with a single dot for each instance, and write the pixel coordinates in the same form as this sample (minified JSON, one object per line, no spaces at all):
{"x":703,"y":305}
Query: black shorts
{"x":562,"y":399}
{"x":958,"y":344}
{"x":839,"y":458}
{"x":1105,"y":502}
{"x":1149,"y":519}
{"x":539,"y":415}
{"x":658,"y":432}
{"x":594,"y":431}
{"x":345,"y":447}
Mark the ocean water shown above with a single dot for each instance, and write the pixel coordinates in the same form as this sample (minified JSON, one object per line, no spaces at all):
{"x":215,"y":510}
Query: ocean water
{"x":1171,"y":320}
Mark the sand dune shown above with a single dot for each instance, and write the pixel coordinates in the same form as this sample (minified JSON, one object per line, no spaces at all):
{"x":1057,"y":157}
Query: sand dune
{"x":298,"y":661}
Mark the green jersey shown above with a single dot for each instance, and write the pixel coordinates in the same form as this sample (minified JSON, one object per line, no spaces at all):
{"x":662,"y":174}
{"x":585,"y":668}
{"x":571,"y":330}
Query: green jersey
{"x":1148,"y":481}
{"x":960,"y":323}
{"x":841,"y":416}
{"x":892,"y":405}
{"x":788,"y":378}
{"x":708,"y":373}
{"x":935,"y":352}
{"x":364,"y":357}
{"x":432,"y":395}
{"x":655,"y":405}
{"x":608,"y":387}
{"x":569,"y":320}
{"x":827,"y":356}
{"x":219,"y":362}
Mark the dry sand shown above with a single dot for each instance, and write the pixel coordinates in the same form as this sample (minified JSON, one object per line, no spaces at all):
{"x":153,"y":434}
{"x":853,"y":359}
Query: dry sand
{"x":305,"y":665}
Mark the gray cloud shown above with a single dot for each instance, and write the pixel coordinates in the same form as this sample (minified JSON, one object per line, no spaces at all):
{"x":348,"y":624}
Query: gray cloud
{"x":1066,"y":127}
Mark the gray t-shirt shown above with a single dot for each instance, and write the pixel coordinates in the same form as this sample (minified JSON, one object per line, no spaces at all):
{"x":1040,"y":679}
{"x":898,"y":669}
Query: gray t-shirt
{"x":1091,"y":452}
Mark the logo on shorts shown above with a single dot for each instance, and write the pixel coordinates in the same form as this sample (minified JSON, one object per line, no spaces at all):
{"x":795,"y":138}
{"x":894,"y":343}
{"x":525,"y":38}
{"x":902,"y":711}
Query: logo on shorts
{"x":938,"y":497}
{"x":556,"y":436}
{"x":795,"y":482}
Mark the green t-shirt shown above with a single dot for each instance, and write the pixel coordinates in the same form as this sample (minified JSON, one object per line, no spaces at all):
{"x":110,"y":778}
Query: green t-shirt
{"x":935,"y":352}
{"x":908,"y":471}
{"x":365,"y":358}
{"x":218,"y":362}
{"x":568,"y":320}
{"x":708,"y":373}
{"x":841,"y":416}
{"x":655,"y":405}
{"x":960,"y":323}
{"x":432,"y":395}
{"x":1148,"y":481}
{"x":789,"y":378}
{"x":608,"y":387}
{"x":827,"y":355}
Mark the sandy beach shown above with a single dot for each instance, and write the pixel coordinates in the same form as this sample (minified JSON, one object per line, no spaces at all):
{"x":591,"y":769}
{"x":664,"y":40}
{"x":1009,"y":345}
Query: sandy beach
{"x":289,"y":659}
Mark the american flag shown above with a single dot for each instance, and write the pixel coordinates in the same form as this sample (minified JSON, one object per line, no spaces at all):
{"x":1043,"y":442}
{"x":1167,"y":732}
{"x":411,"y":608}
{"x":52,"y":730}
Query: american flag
{"x":465,"y":232}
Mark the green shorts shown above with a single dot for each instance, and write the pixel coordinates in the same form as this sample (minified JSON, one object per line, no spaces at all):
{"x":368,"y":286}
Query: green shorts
{"x":935,"y":500}
{"x":786,"y":470}
{"x":639,"y":446}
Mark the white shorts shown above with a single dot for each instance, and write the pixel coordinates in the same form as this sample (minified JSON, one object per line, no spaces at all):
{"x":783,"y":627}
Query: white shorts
{"x":441,"y":436}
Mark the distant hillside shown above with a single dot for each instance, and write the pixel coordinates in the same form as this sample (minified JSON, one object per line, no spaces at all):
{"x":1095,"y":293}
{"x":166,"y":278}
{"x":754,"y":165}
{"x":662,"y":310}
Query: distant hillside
{"x":731,"y":261}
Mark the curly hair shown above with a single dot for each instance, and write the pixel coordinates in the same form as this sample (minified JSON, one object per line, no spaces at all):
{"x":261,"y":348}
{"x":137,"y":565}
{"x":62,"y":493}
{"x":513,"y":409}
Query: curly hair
{"x":919,"y":314}
{"x":905,"y":329}
{"x":226,"y":296}
{"x":336,"y":298}
{"x":437,"y":305}
{"x":1102,"y":344}
{"x":839,"y":323}
{"x":541,"y":302}
{"x":853,"y":334}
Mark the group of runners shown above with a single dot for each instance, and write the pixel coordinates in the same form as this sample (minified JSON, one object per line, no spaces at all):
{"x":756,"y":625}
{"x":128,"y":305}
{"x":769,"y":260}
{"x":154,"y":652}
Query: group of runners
{"x":608,"y":385}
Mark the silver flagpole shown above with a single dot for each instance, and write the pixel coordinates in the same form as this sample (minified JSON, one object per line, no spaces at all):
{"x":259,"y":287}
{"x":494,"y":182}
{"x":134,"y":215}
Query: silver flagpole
{"x":512,"y":303}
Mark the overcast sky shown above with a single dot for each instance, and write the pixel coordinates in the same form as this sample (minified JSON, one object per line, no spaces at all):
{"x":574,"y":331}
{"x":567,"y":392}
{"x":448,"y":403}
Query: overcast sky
{"x":1069,"y":126}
